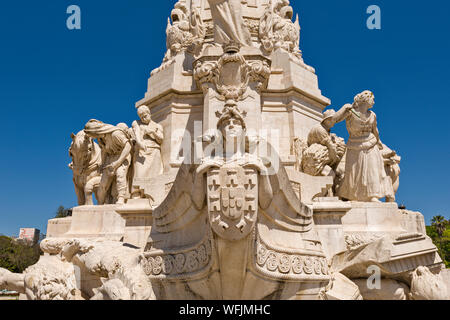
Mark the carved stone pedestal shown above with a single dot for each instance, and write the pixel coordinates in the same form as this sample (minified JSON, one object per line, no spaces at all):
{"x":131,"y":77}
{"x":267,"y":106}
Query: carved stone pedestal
{"x":137,"y":214}
{"x":328,"y":214}
{"x":96,"y":222}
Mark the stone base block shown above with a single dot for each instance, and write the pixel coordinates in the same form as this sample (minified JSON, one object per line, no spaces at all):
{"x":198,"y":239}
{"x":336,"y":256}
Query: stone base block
{"x":373,"y":218}
{"x":137,"y":214}
{"x":96,"y":222}
{"x":58,"y":227}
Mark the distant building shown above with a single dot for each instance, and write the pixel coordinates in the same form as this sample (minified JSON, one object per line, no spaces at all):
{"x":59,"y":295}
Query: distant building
{"x":29,"y":235}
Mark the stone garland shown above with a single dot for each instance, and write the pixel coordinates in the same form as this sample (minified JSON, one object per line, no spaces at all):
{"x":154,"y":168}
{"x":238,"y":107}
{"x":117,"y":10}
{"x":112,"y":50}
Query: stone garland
{"x":288,"y":264}
{"x":177,"y":264}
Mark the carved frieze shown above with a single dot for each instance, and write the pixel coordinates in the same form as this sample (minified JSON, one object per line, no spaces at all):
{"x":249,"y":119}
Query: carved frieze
{"x":178,"y":264}
{"x":288,"y":264}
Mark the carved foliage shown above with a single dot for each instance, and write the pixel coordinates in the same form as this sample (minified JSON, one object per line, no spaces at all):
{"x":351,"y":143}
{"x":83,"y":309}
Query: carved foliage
{"x":231,"y":75}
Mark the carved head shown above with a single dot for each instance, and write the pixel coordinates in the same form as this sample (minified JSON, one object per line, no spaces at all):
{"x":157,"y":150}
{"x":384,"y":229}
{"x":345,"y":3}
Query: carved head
{"x":284,"y":9}
{"x":287,"y":12}
{"x":179,"y":13}
{"x":81,"y":148}
{"x":365,"y":99}
{"x":144,"y":114}
{"x":328,"y":119}
{"x":231,"y":123}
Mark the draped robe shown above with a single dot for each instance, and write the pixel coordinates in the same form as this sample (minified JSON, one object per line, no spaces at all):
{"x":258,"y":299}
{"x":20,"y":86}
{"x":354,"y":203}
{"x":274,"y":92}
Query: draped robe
{"x":228,"y":22}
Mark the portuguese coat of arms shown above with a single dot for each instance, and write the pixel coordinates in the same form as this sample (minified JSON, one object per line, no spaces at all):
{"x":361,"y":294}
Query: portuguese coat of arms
{"x":232,"y":200}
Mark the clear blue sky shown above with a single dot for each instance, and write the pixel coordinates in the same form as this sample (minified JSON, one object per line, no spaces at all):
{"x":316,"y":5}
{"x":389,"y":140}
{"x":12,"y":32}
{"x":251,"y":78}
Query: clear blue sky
{"x":52,"y":81}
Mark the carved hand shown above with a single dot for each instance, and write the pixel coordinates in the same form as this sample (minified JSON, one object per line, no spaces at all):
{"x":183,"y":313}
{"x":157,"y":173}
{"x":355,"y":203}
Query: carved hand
{"x":112,"y":168}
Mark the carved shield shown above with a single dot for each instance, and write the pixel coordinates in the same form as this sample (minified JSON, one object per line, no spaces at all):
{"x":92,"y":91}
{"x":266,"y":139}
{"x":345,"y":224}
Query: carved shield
{"x":232,"y":201}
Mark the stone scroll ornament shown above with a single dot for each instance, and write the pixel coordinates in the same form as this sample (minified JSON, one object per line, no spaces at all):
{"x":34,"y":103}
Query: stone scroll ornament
{"x":231,"y":74}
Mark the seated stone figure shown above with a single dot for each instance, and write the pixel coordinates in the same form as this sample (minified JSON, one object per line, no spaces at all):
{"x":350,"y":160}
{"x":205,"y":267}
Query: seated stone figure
{"x":115,"y":144}
{"x":392,"y":167}
{"x":325,"y":150}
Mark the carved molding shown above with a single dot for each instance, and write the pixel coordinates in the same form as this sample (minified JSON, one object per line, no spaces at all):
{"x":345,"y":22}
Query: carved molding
{"x":178,"y":264}
{"x":286,"y":264}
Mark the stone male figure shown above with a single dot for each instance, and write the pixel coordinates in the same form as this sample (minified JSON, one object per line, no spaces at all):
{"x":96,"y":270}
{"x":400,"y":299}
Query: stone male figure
{"x":116,"y":148}
{"x":147,"y":162}
{"x":325,"y":150}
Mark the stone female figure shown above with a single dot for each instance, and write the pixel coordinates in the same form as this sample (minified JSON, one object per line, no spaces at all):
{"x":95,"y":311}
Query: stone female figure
{"x":229,"y":24}
{"x":147,"y":162}
{"x":365,"y":176}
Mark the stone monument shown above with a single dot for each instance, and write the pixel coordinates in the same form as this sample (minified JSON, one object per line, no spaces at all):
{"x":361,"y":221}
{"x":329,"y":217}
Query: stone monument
{"x":231,"y":185}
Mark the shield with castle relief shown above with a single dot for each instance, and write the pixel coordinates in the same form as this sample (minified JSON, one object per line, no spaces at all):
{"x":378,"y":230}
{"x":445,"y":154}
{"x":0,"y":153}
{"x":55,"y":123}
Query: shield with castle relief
{"x":232,"y":200}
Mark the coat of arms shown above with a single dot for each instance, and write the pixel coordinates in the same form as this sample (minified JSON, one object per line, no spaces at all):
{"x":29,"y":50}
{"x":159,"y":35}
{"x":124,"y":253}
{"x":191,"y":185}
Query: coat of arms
{"x":232,"y":200}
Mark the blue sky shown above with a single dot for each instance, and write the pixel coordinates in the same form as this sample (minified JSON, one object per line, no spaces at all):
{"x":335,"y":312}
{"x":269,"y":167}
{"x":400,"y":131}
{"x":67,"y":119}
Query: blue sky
{"x":52,"y":81}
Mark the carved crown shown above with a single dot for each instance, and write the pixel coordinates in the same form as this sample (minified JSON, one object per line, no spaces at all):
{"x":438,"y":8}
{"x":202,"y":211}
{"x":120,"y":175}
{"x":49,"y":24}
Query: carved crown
{"x":231,"y":47}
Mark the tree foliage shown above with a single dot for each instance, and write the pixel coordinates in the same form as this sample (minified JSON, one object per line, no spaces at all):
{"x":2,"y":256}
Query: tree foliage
{"x":16,"y":255}
{"x":439,"y":232}
{"x":62,"y":212}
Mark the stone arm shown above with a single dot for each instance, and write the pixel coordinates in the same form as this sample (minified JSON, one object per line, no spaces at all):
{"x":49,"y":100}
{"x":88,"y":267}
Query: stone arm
{"x":137,"y":133}
{"x":125,"y":152}
{"x":198,"y":192}
{"x":265,"y":191}
{"x":158,"y":135}
{"x":332,"y":149}
{"x":377,"y":133}
{"x":343,"y":113}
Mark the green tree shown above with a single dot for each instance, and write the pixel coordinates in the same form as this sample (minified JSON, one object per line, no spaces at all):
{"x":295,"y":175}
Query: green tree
{"x":440,"y":225}
{"x":62,"y":212}
{"x":439,"y":232}
{"x":16,"y":255}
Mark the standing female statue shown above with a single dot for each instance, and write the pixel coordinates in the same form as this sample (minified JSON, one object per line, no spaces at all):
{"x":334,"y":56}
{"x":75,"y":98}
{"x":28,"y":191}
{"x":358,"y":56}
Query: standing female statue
{"x":229,"y":25}
{"x":365,"y":176}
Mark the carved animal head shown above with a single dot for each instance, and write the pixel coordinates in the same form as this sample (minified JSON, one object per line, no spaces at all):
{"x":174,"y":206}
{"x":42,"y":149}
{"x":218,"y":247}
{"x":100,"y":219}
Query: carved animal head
{"x":179,"y":13}
{"x":81,"y":149}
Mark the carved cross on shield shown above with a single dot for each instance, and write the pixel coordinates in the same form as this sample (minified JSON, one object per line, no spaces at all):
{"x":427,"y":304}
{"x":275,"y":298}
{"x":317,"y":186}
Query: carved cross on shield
{"x":233,"y":207}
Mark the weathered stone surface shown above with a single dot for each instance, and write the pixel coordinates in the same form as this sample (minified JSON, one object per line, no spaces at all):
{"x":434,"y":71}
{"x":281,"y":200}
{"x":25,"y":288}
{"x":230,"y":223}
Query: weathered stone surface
{"x":389,"y":290}
{"x":428,"y":286}
{"x":393,"y":255}
{"x":341,"y":288}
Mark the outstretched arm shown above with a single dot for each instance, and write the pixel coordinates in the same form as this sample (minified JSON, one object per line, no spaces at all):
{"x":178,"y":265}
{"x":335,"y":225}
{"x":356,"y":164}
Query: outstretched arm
{"x":343,"y":113}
